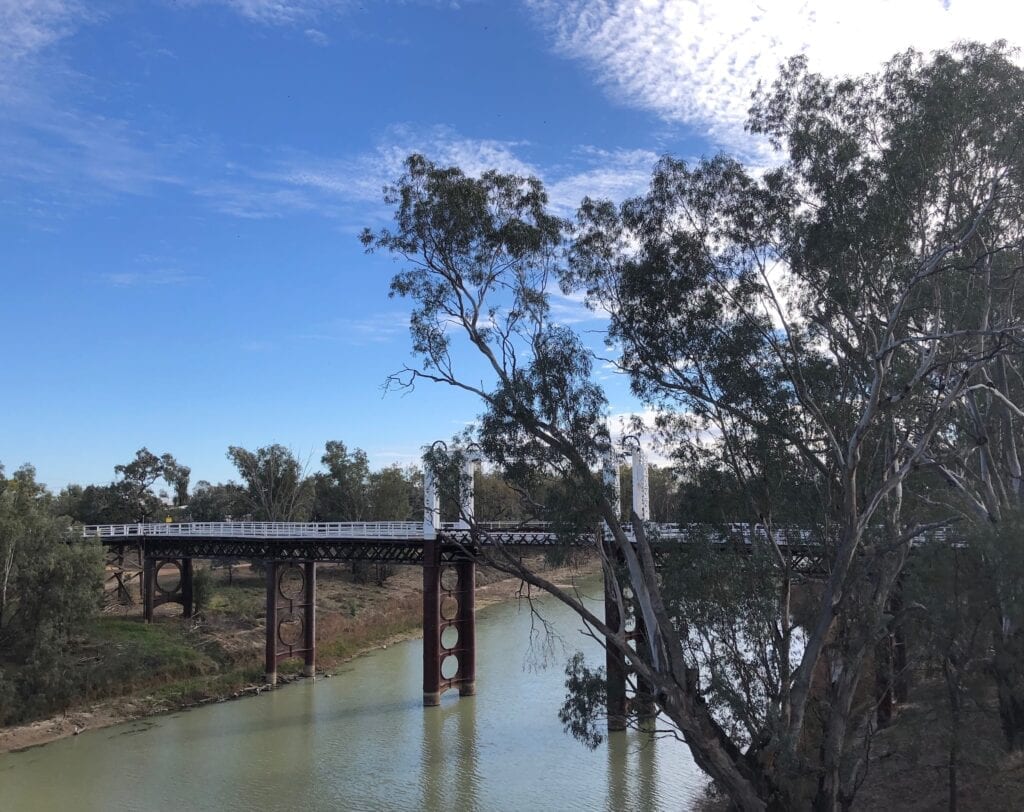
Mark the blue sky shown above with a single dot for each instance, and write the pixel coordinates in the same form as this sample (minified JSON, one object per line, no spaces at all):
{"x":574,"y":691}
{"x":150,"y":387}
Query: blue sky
{"x":182,"y":183}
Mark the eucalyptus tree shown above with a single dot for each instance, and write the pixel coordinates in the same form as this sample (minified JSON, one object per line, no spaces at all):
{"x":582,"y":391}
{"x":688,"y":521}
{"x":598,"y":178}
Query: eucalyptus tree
{"x":342,"y":492}
{"x":51,"y":584}
{"x":813,"y":320}
{"x":276,"y":486}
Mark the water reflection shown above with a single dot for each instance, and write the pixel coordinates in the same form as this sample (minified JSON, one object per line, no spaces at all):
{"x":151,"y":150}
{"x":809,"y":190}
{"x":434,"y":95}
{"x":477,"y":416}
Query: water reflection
{"x":633,"y":770}
{"x":363,"y":741}
{"x":449,"y":776}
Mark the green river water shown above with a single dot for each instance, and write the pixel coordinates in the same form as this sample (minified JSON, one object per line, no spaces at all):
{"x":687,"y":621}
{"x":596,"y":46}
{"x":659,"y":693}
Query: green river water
{"x":362,"y":741}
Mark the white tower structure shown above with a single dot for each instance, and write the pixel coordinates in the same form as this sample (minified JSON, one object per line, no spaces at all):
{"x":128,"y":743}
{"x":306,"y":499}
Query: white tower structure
{"x":641,"y":484}
{"x":610,"y":473}
{"x":431,"y":504}
{"x":467,"y":505}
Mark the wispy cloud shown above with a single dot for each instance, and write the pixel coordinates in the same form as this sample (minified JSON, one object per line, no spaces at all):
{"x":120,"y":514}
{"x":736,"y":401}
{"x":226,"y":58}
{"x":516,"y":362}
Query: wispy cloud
{"x":338,"y":186}
{"x":48,"y":139}
{"x":378,"y":328}
{"x":160,"y":277}
{"x":294,"y":12}
{"x":600,"y":173}
{"x":280,"y":12}
{"x":698,"y":62}
{"x":27,"y":27}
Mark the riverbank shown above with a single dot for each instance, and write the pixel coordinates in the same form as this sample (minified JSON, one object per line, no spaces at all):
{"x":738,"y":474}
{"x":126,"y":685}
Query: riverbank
{"x":217,"y":656}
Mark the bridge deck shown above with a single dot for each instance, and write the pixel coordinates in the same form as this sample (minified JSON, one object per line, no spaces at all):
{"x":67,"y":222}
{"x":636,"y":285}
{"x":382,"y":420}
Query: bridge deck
{"x":403,"y":542}
{"x":503,"y":532}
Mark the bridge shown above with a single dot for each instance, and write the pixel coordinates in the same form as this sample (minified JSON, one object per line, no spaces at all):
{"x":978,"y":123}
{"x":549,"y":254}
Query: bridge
{"x":447,"y":552}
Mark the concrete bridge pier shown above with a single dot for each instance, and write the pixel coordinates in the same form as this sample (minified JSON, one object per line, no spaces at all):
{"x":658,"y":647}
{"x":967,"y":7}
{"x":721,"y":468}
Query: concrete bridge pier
{"x":156,"y":592}
{"x":291,"y":615}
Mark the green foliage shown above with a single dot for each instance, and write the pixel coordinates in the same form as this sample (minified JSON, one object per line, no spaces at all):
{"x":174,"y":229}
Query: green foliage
{"x":583,"y":711}
{"x":217,"y":503}
{"x":725,"y":602}
{"x":202,"y":588}
{"x":276,"y":485}
{"x":129,"y":498}
{"x":50,"y":588}
{"x":341,"y":493}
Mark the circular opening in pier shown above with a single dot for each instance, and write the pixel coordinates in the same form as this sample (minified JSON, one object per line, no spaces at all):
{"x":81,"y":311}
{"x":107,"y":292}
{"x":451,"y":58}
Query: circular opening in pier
{"x":449,"y":637}
{"x":449,"y":579}
{"x":629,"y":624}
{"x":449,"y":666}
{"x":168,"y":577}
{"x":290,"y":631}
{"x":291,"y":582}
{"x":449,"y":607}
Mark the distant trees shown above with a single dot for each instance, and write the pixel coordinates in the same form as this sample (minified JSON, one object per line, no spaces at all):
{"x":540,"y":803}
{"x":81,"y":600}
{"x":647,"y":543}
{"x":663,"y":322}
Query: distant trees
{"x":217,"y":503}
{"x":276,"y":486}
{"x":130,"y":497}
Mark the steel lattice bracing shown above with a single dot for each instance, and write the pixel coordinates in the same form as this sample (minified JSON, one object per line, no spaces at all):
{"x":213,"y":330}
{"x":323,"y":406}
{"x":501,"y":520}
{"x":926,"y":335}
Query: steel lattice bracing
{"x":402,"y":542}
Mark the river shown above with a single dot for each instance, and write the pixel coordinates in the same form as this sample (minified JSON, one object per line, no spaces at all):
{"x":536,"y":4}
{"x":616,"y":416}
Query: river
{"x":361,"y":740}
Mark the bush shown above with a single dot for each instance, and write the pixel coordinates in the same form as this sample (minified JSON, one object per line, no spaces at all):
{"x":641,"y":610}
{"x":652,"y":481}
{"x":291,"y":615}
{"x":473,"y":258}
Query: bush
{"x":202,"y":589}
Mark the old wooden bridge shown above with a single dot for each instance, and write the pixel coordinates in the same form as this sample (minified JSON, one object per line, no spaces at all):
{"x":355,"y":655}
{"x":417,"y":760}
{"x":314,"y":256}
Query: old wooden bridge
{"x":447,"y":553}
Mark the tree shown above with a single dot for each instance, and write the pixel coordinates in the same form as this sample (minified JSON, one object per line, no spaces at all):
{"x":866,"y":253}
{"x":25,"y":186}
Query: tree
{"x":218,"y":503}
{"x":395,"y":495}
{"x":811,"y":319}
{"x":342,"y":493}
{"x":276,"y":486}
{"x":129,"y":498}
{"x":134,"y":489}
{"x":51,"y":584}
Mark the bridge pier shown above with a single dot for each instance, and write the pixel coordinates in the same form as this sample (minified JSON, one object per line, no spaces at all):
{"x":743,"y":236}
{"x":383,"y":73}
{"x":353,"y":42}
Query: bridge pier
{"x":449,"y":624}
{"x":155,"y":593}
{"x":291,"y":615}
{"x":615,"y":664}
{"x":619,"y":704}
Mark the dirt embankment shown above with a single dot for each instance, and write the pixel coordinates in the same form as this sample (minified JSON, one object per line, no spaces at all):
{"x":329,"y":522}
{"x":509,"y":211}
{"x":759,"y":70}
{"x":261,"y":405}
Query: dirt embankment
{"x":219,"y":654}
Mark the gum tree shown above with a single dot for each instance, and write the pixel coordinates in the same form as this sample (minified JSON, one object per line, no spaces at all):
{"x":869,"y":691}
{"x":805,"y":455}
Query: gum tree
{"x":816,"y":319}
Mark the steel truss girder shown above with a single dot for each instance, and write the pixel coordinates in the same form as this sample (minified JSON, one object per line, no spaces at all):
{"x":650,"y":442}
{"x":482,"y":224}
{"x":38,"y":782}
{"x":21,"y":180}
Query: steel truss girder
{"x":806,"y":559}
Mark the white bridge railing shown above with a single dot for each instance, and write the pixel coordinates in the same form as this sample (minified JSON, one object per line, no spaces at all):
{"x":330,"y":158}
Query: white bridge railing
{"x":413,"y":531}
{"x":262,"y":530}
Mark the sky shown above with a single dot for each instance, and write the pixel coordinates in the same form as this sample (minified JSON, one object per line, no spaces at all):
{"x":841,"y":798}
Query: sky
{"x":182,"y":183}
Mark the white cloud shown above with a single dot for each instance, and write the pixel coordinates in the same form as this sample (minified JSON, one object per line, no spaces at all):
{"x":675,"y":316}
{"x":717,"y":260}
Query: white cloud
{"x":696,"y":62}
{"x":282,"y":12}
{"x":305,"y":182}
{"x":378,"y":328}
{"x":292,"y":12}
{"x":160,"y":277}
{"x":599,"y":173}
{"x":30,"y":26}
{"x":363,"y":177}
